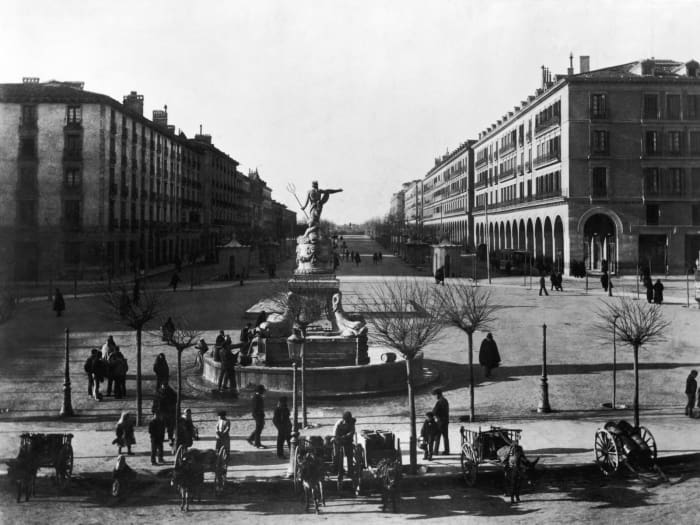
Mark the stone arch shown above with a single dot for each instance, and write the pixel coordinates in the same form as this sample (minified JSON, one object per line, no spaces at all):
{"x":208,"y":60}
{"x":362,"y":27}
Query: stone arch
{"x":600,"y":234}
{"x":548,"y":239}
{"x":490,"y":235}
{"x":509,"y":238}
{"x":522,"y":238}
{"x":501,"y":237}
{"x":538,"y":238}
{"x":559,"y":243}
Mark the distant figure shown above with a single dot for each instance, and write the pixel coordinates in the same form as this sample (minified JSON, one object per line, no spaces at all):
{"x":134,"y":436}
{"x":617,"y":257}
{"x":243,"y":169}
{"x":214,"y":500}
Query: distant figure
{"x":58,"y":303}
{"x":543,"y":285}
{"x":156,"y":430}
{"x":649,"y":286}
{"x":223,"y":438}
{"x":202,"y":348}
{"x":246,"y":334}
{"x":380,"y":256}
{"x":358,"y":259}
{"x":108,"y":348}
{"x":440,"y":276}
{"x":442,"y":415}
{"x":118,"y":368}
{"x":162,"y":371}
{"x":174,"y":280}
{"x":604,"y":281}
{"x":167,"y":330}
{"x":691,"y":386}
{"x":125,"y":433}
{"x":283,"y":425}
{"x":658,"y":292}
{"x":489,"y":357}
{"x":258,"y":412}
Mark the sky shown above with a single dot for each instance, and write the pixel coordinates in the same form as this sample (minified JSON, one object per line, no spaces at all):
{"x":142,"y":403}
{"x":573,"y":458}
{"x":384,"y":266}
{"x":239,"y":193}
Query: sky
{"x":359,"y":95}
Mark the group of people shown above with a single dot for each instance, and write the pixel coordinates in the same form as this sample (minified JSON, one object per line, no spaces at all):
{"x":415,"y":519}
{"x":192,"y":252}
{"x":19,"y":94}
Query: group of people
{"x":654,"y":291}
{"x":107,"y":363}
{"x":377,"y":257}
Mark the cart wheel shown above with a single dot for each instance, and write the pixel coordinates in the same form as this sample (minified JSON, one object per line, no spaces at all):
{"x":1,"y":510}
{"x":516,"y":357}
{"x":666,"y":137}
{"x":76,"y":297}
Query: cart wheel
{"x":470,"y":465}
{"x":116,"y":488}
{"x":295,"y":471}
{"x":64,"y":466}
{"x":607,"y":454}
{"x":360,"y":464}
{"x":221,"y":471}
{"x":648,"y":438}
{"x":179,"y":455}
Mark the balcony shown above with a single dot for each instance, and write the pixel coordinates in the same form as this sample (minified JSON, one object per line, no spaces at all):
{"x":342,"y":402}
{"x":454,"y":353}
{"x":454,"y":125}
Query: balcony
{"x":544,"y":125}
{"x":548,"y":158}
{"x":506,"y":149}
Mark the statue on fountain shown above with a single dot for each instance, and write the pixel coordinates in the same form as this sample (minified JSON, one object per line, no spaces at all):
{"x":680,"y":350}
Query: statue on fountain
{"x":315,"y":199}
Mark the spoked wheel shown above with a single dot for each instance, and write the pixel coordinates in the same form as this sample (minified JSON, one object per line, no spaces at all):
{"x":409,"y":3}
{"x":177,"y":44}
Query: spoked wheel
{"x":607,"y":455}
{"x":295,"y":471}
{"x":221,"y":471}
{"x":649,"y":440}
{"x":470,"y":465}
{"x":179,"y":456}
{"x":64,"y":468}
{"x":359,"y":467}
{"x":116,"y":488}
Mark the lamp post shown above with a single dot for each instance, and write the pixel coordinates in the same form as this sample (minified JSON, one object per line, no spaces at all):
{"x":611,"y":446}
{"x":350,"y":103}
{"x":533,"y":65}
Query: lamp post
{"x":67,"y":407}
{"x":544,"y":407}
{"x":295,"y":344}
{"x":614,"y":404}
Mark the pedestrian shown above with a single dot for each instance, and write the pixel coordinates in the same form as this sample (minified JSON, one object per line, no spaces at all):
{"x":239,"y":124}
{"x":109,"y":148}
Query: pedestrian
{"x":344,"y":433}
{"x":100,"y":370}
{"x":604,"y":281}
{"x":167,"y":330}
{"x":246,"y":334}
{"x":489,"y":357}
{"x":427,"y":433}
{"x":441,"y":410}
{"x":691,"y":386}
{"x":560,"y":282}
{"x":174,"y":280}
{"x":162,"y":371}
{"x":649,"y":286}
{"x":118,"y":368}
{"x":109,"y":347}
{"x":125,"y":433}
{"x":283,"y":424}
{"x":227,"y":374}
{"x":219,"y":345}
{"x":58,"y":303}
{"x":553,"y":281}
{"x":358,"y":259}
{"x":156,"y":429}
{"x":440,"y":276}
{"x":543,"y":285}
{"x":223,"y":439}
{"x":88,"y":367}
{"x":380,"y":256}
{"x":258,"y":411}
{"x":658,"y":292}
{"x":165,"y":403}
{"x":185,"y":430}
{"x":136,"y":295}
{"x":202,"y":348}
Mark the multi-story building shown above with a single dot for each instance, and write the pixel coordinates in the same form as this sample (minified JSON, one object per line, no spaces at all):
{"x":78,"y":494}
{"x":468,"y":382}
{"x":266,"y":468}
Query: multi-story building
{"x":447,"y":196}
{"x":91,"y":187}
{"x":413,"y":206}
{"x":601,"y":167}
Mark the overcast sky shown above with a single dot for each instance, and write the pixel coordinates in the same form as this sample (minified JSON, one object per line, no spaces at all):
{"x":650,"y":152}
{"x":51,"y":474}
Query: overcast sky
{"x":361,"y":95}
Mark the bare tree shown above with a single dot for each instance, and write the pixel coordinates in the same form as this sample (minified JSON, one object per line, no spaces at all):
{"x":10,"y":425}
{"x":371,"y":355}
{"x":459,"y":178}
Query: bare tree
{"x":403,"y":316}
{"x":468,"y":308}
{"x":635,"y":323}
{"x":181,"y":338}
{"x":119,"y":307}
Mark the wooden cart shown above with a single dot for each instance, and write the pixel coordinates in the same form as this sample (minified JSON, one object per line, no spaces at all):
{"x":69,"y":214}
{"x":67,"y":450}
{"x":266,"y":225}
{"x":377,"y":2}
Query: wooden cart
{"x":481,"y":447}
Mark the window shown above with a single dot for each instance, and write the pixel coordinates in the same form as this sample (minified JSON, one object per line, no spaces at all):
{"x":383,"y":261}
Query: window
{"x":651,"y":107}
{"x":74,"y":145}
{"x":72,"y":177}
{"x":674,"y":142}
{"x":598,"y":106}
{"x":692,"y":107}
{"x":673,"y":107}
{"x":26,"y":213}
{"x":695,"y":181}
{"x":600,"y":142}
{"x":695,"y":142}
{"x":651,"y":181}
{"x":696,"y":214}
{"x":74,"y":114}
{"x":29,"y":116}
{"x":599,"y":183}
{"x":652,"y":214}
{"x":675,"y":181}
{"x":27,"y":148}
{"x":71,"y":214}
{"x":651,"y":142}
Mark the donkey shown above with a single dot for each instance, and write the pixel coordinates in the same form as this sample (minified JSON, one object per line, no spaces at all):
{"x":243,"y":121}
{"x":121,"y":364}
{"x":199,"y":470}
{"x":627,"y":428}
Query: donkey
{"x":389,"y":474}
{"x":188,"y":478}
{"x":516,"y":468}
{"x":311,"y":474}
{"x":22,"y":472}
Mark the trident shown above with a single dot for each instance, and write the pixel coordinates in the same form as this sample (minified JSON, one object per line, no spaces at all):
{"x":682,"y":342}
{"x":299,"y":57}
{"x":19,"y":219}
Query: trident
{"x":292,"y":189}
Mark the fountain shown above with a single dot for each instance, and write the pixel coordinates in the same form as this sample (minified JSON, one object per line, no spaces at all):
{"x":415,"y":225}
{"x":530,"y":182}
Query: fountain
{"x":338,"y":361}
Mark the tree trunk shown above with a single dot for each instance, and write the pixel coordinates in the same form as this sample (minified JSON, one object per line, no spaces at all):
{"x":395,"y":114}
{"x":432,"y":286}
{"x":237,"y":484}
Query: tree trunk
{"x":413,"y":449}
{"x":139,"y":393}
{"x":636,"y":386}
{"x":179,"y":395}
{"x":470,"y":338}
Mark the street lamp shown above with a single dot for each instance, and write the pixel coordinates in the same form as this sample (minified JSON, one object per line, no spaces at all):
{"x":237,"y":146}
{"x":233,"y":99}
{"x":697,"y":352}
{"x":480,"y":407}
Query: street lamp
{"x":67,"y":407}
{"x":543,"y":406}
{"x":295,"y":347}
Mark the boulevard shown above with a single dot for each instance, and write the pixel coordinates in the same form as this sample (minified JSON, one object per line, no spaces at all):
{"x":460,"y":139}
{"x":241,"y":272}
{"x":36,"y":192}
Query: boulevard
{"x":579,"y":369}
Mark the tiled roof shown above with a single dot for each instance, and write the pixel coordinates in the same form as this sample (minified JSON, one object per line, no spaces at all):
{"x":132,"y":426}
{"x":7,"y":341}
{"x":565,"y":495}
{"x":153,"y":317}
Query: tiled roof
{"x":54,"y":92}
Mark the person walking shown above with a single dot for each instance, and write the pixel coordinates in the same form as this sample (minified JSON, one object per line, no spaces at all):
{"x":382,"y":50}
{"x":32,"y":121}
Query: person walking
{"x":658,"y":292}
{"x":162,"y":371}
{"x":441,"y":410}
{"x":184,"y":433}
{"x":58,"y":303}
{"x":258,"y":411}
{"x":165,"y":404}
{"x":227,"y":374}
{"x":649,"y":286}
{"x":283,"y":424}
{"x":125,"y":433}
{"x":223,"y":438}
{"x":156,"y":430}
{"x":118,"y":368}
{"x":88,"y":367}
{"x":174,"y":280}
{"x":440,"y":276}
{"x":691,"y":387}
{"x":543,"y":285}
{"x":427,"y":433}
{"x":489,"y":357}
{"x":100,"y":370}
{"x":344,"y":433}
{"x":167,"y":330}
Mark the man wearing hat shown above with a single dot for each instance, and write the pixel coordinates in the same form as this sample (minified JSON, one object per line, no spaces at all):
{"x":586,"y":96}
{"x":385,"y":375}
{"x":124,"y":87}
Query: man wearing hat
{"x":441,"y":411}
{"x":258,"y":416}
{"x":344,"y":432}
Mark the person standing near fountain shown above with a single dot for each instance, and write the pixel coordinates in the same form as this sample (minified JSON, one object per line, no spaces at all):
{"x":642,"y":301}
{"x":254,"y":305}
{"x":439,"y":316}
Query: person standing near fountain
{"x":258,"y":410}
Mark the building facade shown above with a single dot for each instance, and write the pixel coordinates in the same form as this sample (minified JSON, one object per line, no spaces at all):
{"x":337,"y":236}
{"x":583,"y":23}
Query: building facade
{"x":90,"y":187}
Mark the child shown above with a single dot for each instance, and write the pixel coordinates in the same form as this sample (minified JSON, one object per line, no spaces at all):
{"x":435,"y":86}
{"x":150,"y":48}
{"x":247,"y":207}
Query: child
{"x":156,"y":428}
{"x":223,"y":439}
{"x":428,"y":432}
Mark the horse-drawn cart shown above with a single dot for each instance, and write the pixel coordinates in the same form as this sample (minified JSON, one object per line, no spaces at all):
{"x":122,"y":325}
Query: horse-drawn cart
{"x":620,"y":444}
{"x":482,"y":446}
{"x":206,"y":461}
{"x":375,"y":446}
{"x":326,"y":449}
{"x":51,"y":451}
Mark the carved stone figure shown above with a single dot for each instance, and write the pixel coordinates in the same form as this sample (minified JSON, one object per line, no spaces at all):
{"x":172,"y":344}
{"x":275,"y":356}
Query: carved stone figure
{"x":278,"y":325}
{"x":348,"y":324}
{"x":315,"y":199}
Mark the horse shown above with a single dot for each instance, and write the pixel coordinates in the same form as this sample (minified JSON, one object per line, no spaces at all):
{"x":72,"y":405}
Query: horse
{"x":311,"y":474}
{"x":516,"y":467}
{"x":188,"y":478}
{"x":389,"y":474}
{"x":22,"y":472}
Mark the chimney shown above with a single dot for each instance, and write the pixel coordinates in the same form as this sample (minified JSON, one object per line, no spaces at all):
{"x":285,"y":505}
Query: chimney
{"x":134,"y":102}
{"x":570,"y":70}
{"x":585,"y":63}
{"x":160,"y":117}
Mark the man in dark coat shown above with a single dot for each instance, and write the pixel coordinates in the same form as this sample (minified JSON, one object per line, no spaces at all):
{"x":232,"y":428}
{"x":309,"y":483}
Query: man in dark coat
{"x":489,"y":357}
{"x":156,"y":429}
{"x":117,"y":370}
{"x":283,"y":425}
{"x":543,"y":285}
{"x":649,"y":288}
{"x":258,"y":411}
{"x":658,"y":292}
{"x":442,"y":415}
{"x":691,"y":386}
{"x":166,"y":401}
{"x":88,"y":367}
{"x":58,"y":303}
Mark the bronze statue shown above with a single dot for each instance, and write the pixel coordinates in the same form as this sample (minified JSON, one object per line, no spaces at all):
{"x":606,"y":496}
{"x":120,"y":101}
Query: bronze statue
{"x":315,"y":199}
